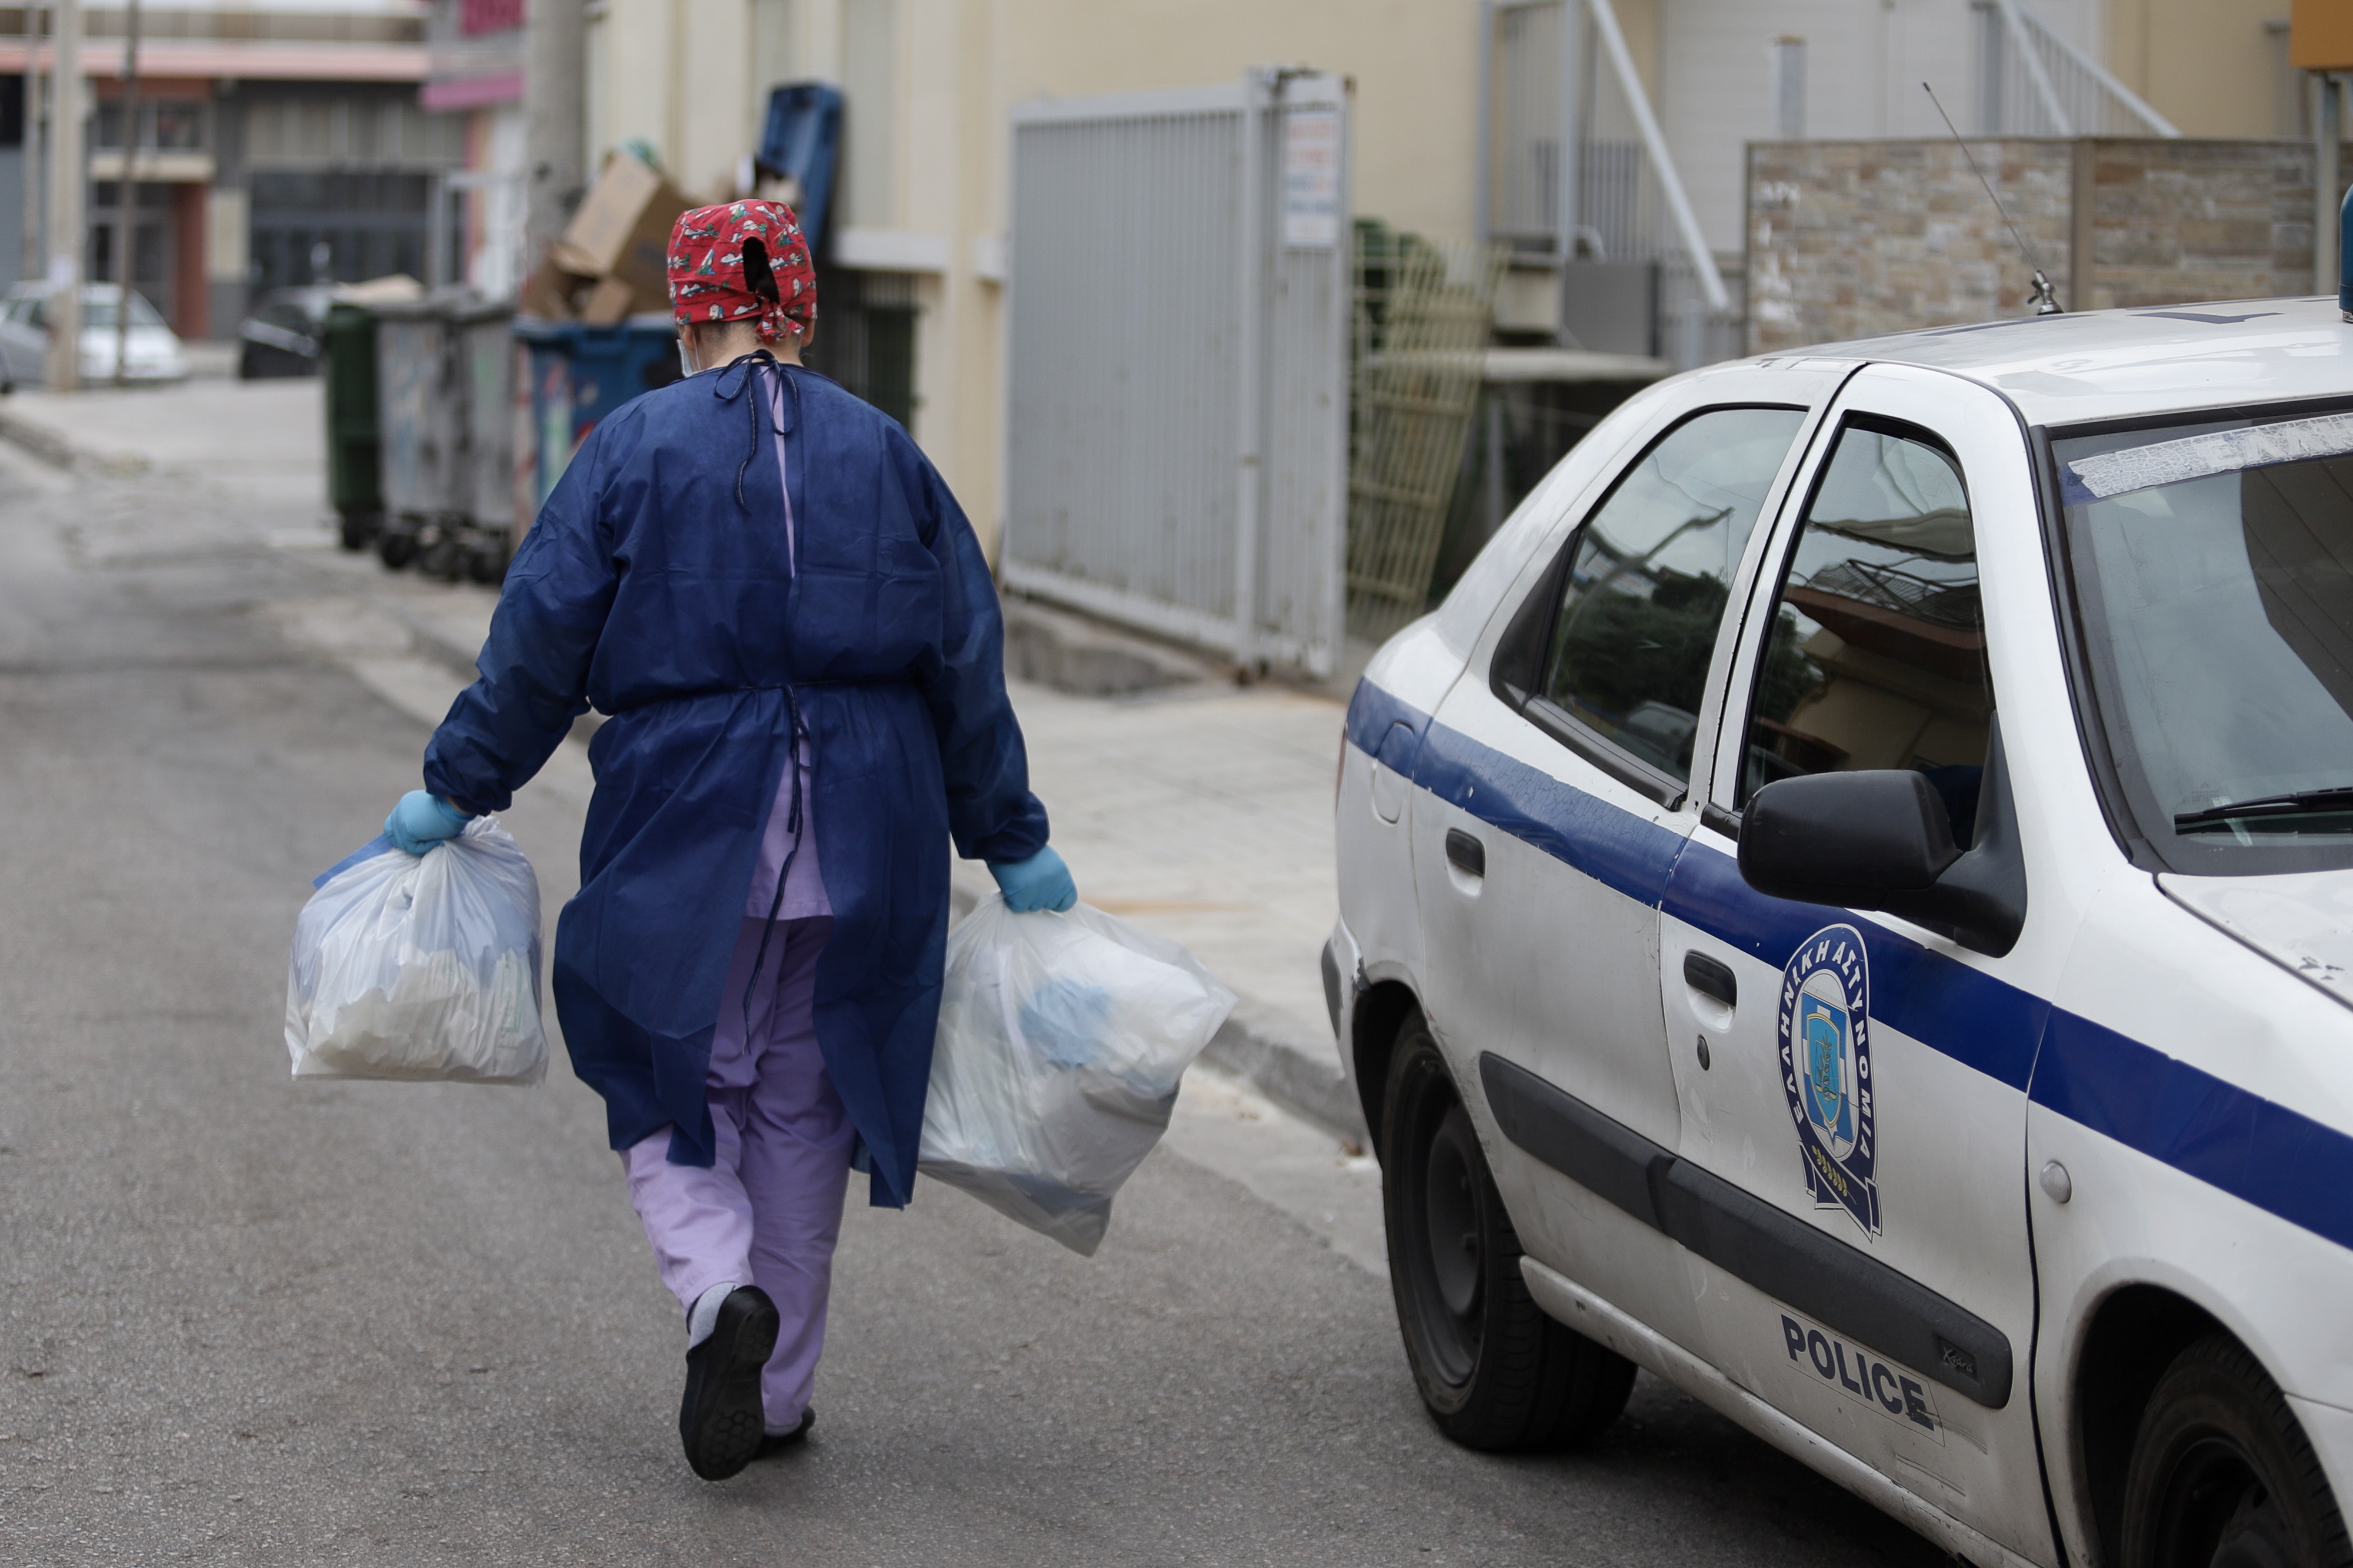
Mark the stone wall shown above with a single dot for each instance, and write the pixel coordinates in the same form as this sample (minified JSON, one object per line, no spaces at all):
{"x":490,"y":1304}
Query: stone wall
{"x":1850,"y":239}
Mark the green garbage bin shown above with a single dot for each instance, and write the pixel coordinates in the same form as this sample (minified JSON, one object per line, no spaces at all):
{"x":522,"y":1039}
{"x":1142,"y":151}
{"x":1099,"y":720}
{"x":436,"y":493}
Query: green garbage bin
{"x":355,"y":434}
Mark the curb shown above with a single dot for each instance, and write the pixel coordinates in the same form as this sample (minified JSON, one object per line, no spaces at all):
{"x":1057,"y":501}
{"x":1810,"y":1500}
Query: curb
{"x":1265,"y":1051}
{"x":59,"y":452}
{"x":429,"y":640}
{"x":46,"y":445}
{"x":1081,"y":655}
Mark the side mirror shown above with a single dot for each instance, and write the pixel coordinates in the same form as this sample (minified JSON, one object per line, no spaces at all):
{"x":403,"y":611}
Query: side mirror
{"x":1882,"y":840}
{"x":1854,"y":839}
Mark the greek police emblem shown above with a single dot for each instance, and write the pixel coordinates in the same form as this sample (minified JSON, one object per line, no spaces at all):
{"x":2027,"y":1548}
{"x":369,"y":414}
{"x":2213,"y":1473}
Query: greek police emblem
{"x":1826,"y":1070}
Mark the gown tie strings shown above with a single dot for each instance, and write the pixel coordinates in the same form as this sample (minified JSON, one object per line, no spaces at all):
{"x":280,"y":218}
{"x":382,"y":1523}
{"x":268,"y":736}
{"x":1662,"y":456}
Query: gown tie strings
{"x":724,"y":393}
{"x":783,"y":872}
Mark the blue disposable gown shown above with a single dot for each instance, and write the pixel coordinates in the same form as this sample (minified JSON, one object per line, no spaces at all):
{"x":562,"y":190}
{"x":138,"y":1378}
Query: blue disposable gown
{"x":647,"y":590}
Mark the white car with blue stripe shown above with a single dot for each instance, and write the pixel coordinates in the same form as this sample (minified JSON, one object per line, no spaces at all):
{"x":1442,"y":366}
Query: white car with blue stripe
{"x":1849,"y":906}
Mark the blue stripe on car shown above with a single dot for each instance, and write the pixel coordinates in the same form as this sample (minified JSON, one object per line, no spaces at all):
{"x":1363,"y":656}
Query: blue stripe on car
{"x":2280,"y":1161}
{"x":1963,"y":1013}
{"x":2276,"y":1159}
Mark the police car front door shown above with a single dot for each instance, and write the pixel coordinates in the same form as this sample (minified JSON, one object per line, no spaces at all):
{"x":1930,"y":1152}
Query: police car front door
{"x":1850,"y":1167}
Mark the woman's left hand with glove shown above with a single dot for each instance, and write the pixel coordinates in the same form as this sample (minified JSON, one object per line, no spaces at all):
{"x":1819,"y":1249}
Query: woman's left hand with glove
{"x":1040,"y":882}
{"x":421,"y":820}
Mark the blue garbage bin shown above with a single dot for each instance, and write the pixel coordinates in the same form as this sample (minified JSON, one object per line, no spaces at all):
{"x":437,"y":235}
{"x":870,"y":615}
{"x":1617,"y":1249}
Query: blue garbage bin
{"x":580,"y":373}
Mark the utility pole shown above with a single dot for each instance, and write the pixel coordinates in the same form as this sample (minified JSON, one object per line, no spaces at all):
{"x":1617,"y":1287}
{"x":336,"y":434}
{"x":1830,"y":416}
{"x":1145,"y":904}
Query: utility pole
{"x":66,"y":236}
{"x":127,"y":209}
{"x":555,"y":70}
{"x":32,"y":235}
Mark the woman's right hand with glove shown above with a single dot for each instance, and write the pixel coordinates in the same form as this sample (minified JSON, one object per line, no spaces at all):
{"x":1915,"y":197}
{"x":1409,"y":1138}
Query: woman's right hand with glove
{"x":421,"y":820}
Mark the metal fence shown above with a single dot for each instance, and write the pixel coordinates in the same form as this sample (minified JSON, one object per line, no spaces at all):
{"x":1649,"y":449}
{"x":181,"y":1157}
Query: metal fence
{"x":1177,"y":418}
{"x":1424,"y":310}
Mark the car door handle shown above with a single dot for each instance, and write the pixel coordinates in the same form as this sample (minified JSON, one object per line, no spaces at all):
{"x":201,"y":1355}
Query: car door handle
{"x":1465,"y":854}
{"x":1711,"y":978}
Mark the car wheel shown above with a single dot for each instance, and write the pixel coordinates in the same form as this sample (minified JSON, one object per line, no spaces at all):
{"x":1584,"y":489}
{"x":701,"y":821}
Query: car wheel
{"x":396,"y":548}
{"x":1494,"y":1371}
{"x":441,"y":557}
{"x":2221,"y":1476}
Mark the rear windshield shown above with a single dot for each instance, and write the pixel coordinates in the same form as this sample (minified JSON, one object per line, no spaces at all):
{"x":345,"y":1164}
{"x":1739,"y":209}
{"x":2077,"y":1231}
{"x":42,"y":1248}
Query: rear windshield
{"x":2213,"y":565}
{"x":100,"y":313}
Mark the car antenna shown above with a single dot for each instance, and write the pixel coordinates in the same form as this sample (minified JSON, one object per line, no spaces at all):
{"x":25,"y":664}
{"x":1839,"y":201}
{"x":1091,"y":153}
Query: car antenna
{"x":2045,"y":302}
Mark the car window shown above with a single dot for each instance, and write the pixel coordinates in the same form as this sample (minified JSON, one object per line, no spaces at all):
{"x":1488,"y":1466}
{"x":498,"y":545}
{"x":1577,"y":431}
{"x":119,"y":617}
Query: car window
{"x":36,"y":313}
{"x":1618,"y":649}
{"x":100,"y":312}
{"x":1876,"y":653}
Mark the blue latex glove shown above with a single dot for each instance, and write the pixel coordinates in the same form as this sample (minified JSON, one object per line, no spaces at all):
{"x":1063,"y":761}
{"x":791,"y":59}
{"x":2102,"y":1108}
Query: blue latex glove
{"x":1040,"y":882}
{"x":422,"y":820}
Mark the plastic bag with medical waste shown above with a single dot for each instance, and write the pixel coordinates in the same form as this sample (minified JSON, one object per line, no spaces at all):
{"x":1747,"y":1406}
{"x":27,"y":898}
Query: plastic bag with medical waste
{"x":420,"y":967}
{"x":1061,"y":1040}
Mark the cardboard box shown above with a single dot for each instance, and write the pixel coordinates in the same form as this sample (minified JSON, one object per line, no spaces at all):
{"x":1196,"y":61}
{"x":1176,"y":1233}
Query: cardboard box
{"x":622,"y":230}
{"x":608,"y":302}
{"x":552,"y":294}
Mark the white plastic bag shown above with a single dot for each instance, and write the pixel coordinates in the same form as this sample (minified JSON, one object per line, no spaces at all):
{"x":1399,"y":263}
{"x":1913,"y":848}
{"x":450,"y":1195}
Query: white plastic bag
{"x":420,"y":967}
{"x":1061,"y":1040}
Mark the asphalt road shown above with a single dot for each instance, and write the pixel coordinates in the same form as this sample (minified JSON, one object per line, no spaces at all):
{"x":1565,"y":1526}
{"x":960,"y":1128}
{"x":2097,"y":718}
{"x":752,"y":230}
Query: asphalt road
{"x":246,"y":1319}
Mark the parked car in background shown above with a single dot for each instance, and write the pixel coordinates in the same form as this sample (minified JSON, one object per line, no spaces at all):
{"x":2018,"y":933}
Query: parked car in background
{"x":285,"y":333}
{"x":153,"y":352}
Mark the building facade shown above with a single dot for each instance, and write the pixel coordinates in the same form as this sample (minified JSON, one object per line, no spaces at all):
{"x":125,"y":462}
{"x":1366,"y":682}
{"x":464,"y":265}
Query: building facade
{"x":274,"y":144}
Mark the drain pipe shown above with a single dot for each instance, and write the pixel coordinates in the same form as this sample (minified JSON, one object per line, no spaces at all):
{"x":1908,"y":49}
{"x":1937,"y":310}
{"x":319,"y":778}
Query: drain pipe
{"x":2345,"y":258}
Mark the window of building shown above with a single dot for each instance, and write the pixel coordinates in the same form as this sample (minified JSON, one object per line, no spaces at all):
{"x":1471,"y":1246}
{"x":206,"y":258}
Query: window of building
{"x":1789,"y":89}
{"x":866,"y":339}
{"x":169,"y":125}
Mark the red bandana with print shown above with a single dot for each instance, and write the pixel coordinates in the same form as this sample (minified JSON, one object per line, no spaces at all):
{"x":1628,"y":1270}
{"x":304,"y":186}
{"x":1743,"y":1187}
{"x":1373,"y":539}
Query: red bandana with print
{"x":707,"y":278}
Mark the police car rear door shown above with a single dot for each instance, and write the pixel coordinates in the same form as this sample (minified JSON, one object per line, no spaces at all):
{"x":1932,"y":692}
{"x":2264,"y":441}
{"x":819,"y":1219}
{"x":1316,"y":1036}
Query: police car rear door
{"x":1849,"y":1178}
{"x":1556,"y":800}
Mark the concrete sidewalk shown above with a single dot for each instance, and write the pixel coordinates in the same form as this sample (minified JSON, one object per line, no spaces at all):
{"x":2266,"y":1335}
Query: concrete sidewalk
{"x":1201,"y":811}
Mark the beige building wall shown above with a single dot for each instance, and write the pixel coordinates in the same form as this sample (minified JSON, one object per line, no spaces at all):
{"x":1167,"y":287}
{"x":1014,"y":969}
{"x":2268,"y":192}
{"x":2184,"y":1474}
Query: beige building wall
{"x":2211,"y":66}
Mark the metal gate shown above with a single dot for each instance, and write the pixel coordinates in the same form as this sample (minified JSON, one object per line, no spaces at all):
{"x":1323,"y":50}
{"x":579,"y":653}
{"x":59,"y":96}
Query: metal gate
{"x":1177,"y":422}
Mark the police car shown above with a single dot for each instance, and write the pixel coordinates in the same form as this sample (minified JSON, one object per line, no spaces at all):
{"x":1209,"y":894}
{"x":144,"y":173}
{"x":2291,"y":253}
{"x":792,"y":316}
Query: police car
{"x":1849,"y":906}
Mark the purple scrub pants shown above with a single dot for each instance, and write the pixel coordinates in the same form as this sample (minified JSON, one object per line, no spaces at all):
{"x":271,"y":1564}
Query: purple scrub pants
{"x":767,"y":1212}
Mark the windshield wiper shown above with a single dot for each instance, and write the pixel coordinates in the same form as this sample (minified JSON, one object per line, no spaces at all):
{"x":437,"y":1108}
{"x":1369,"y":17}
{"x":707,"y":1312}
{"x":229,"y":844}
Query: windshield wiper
{"x":2340,"y":798}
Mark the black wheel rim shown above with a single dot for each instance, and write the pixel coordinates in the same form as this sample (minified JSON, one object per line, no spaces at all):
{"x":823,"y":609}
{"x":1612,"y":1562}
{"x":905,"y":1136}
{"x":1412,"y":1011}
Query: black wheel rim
{"x":1445,"y":1239}
{"x":2215,"y":1511}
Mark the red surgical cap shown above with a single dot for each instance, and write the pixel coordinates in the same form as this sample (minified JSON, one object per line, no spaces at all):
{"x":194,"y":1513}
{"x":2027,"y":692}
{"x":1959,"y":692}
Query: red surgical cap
{"x":708,"y":281}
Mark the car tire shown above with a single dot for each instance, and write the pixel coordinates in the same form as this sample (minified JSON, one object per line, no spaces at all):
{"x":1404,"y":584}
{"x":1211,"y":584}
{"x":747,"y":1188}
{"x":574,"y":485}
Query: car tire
{"x":1494,"y":1371}
{"x":396,"y":548}
{"x":2222,"y":1477}
{"x":438,"y":557}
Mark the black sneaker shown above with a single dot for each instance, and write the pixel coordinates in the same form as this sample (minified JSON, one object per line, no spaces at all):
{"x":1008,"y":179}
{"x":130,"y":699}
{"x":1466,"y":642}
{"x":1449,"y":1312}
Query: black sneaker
{"x":720,"y":1420}
{"x":774,"y":1443}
